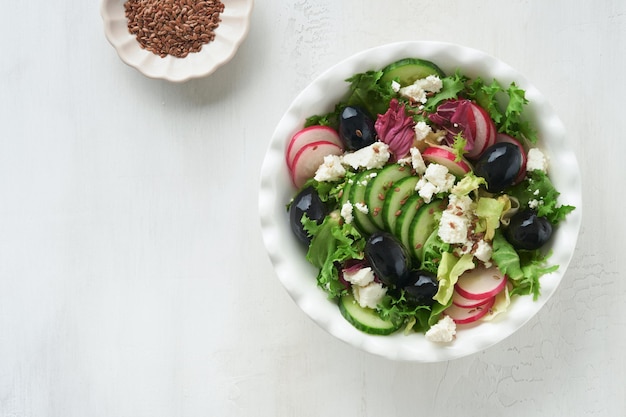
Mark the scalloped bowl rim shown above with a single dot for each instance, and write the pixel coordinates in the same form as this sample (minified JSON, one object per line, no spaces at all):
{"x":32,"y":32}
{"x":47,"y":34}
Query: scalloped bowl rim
{"x":229,"y":36}
{"x":287,"y":255}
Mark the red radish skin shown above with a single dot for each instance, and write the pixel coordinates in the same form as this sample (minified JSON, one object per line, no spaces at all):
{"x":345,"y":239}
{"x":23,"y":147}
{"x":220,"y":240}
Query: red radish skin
{"x":308,"y":135}
{"x":480,"y":283}
{"x":460,"y":301}
{"x":445,"y":156}
{"x":503,"y":137}
{"x":309,"y":158}
{"x":462,"y":315}
{"x":484,"y":132}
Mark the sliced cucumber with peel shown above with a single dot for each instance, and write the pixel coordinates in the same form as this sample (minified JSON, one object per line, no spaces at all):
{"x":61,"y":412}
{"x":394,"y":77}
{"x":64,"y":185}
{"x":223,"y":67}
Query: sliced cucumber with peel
{"x":363,"y":318}
{"x":395,"y":201}
{"x":379,"y":186}
{"x":406,"y":71}
{"x":403,"y":223}
{"x":357,"y":195}
{"x":423,"y":225}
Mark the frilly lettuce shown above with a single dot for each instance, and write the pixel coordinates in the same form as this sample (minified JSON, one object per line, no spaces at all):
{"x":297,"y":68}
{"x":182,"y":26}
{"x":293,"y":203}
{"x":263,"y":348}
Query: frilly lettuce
{"x":333,"y":242}
{"x":523,"y":269}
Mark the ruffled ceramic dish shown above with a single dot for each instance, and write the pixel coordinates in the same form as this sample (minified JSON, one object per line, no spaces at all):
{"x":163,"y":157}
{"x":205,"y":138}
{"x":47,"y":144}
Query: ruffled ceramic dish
{"x":231,"y":32}
{"x":288,"y":255}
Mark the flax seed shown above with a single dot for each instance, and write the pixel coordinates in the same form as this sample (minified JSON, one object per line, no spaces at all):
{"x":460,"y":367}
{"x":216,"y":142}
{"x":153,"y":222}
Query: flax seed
{"x":173,"y":27}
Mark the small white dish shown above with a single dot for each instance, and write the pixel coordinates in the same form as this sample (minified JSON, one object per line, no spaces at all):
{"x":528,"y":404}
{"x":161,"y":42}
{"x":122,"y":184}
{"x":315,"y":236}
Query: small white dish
{"x":288,"y":255}
{"x":232,"y":30}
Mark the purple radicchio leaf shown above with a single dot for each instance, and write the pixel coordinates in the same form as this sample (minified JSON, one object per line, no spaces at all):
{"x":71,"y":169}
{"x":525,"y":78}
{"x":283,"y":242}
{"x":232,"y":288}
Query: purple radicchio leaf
{"x":456,"y":116}
{"x":395,"y":129}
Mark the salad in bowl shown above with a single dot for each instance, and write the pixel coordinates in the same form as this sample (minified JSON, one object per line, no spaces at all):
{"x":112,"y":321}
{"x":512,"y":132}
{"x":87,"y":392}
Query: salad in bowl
{"x":418,"y":201}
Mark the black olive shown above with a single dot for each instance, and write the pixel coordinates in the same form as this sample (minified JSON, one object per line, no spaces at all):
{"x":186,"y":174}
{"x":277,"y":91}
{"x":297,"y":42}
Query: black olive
{"x":421,"y":288}
{"x":356,"y":128}
{"x":527,"y":230}
{"x":308,"y":202}
{"x":388,"y":258}
{"x":499,"y":165}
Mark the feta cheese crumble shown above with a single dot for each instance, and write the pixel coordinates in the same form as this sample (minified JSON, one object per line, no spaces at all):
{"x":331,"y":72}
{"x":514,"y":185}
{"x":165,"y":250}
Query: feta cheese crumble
{"x":330,"y":170}
{"x":436,"y":180}
{"x":375,"y":155}
{"x":361,"y":207}
{"x":455,"y":220}
{"x":536,"y":160}
{"x":483,"y":251}
{"x":443,"y":331}
{"x":360,"y":277}
{"x":422,"y":130}
{"x":369,"y":295}
{"x":417,"y":161}
{"x":346,"y":212}
{"x":417,"y":91}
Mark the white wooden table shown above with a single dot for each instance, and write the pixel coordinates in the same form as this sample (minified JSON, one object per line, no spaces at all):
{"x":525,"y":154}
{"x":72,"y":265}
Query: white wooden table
{"x":133,"y":278}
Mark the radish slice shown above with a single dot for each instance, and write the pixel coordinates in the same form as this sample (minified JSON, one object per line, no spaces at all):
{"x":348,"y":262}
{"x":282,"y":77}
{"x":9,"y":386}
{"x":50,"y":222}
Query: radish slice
{"x":459,"y":300}
{"x":462,"y":315}
{"x":484,"y":133}
{"x":502,"y":137}
{"x":308,"y":135}
{"x":480,"y":283}
{"x":309,"y":158}
{"x":445,"y":156}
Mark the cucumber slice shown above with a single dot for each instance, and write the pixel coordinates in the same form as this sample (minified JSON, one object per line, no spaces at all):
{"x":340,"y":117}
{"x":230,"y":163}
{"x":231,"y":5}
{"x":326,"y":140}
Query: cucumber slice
{"x":407,"y":70}
{"x":403,"y":222}
{"x":345,"y":194}
{"x":377,"y":190}
{"x":395,"y":200}
{"x":423,"y":225}
{"x":364,"y":319}
{"x":362,"y":220}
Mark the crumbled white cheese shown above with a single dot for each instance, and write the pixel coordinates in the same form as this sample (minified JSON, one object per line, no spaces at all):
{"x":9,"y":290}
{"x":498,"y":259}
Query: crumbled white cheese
{"x":483,"y":251}
{"x":417,"y":161}
{"x":395,"y":86}
{"x":443,"y":331}
{"x":346,"y":212}
{"x":534,"y":203}
{"x":417,"y":91}
{"x":536,"y":160}
{"x":361,"y":277}
{"x":453,"y":228}
{"x":330,"y":170}
{"x":432,"y":83}
{"x":370,"y":295}
{"x":425,"y":189}
{"x":361,"y":207}
{"x":436,"y":180}
{"x":414,"y":92}
{"x":375,"y":155}
{"x":455,"y":220}
{"x":422,"y":130}
{"x":439,"y":176}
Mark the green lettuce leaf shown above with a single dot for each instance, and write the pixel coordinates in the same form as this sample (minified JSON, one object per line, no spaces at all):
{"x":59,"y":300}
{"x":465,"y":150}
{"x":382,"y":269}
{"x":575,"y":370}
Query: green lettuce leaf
{"x":333,"y":242}
{"x":452,"y":85}
{"x":505,"y":107}
{"x":489,"y":211}
{"x":537,"y":186}
{"x":524,"y":269}
{"x":448,"y":273}
{"x":432,"y":251}
{"x":467,"y":184}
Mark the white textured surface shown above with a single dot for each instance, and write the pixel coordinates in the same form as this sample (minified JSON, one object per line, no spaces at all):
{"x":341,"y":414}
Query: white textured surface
{"x":133,"y":278}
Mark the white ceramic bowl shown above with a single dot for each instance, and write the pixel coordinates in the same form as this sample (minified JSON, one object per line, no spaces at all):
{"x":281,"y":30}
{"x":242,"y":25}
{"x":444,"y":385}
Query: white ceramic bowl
{"x":288,"y":256}
{"x":230,"y":33}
